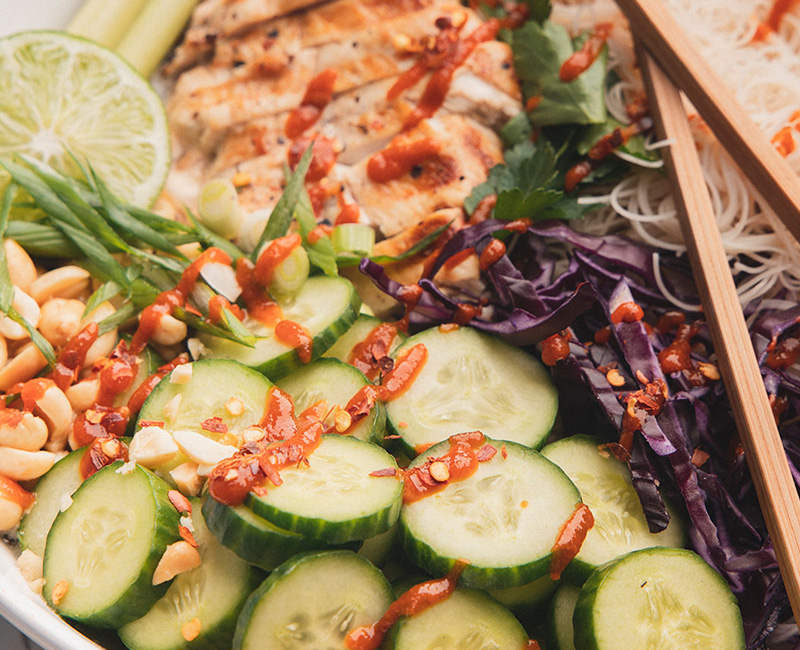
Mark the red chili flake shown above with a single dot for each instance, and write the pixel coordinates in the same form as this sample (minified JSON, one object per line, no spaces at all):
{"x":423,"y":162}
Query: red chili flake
{"x":487,"y":452}
{"x":504,"y":451}
{"x":187,"y":536}
{"x":150,"y":423}
{"x":214,"y":425}
{"x":387,"y":471}
{"x":180,"y":502}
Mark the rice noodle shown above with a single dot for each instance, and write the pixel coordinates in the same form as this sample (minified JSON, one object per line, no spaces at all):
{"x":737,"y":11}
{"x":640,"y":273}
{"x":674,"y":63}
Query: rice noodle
{"x":765,"y":78}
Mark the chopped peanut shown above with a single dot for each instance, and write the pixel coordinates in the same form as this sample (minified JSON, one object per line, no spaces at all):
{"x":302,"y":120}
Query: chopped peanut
{"x":440,"y":471}
{"x":179,"y":557}
{"x":59,"y":591}
{"x":187,"y":479}
{"x":234,"y":406}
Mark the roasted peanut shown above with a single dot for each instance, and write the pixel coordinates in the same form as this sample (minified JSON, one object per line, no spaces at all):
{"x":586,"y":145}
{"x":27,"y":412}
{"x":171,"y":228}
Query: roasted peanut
{"x":169,"y":331}
{"x":84,"y":394}
{"x":20,"y":465}
{"x":22,"y":430}
{"x":61,"y":320}
{"x":20,"y":265}
{"x":26,"y":363}
{"x":63,"y":282}
{"x":152,"y":447}
{"x":55,"y":409}
{"x":3,"y":351}
{"x":28,"y":309}
{"x":179,"y":557}
{"x":187,"y":479}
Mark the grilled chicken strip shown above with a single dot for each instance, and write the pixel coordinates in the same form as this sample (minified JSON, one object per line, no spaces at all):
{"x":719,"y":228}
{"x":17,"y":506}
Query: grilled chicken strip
{"x":420,"y":76}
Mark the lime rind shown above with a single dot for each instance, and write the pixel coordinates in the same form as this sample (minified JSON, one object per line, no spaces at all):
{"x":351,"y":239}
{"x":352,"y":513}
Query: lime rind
{"x":61,"y":94}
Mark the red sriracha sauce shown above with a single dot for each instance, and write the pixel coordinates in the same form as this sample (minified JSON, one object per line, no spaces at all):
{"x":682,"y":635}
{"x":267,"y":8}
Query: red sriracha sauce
{"x":72,"y":356}
{"x":13,"y":491}
{"x":259,"y":305}
{"x":317,"y":96}
{"x":415,"y":600}
{"x":296,"y":336}
{"x":323,"y":156}
{"x":490,"y":255}
{"x":168,"y":300}
{"x":582,"y":60}
{"x":555,"y":348}
{"x":461,"y":461}
{"x":367,"y":354}
{"x":232,"y":479}
{"x":277,"y":251}
{"x":627,"y":312}
{"x":784,"y":354}
{"x":397,"y":160}
{"x":570,"y":539}
{"x":439,"y":84}
{"x":136,"y":400}
{"x":279,"y":422}
{"x":102,"y":452}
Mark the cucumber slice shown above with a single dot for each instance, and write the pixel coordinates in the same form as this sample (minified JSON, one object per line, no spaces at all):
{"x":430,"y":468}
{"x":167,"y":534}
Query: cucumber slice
{"x":664,"y":598}
{"x":334,"y":498}
{"x":606,"y":487}
{"x":502,"y":391}
{"x":105,"y":547}
{"x":336,"y":383}
{"x":149,"y":363}
{"x":253,"y":538}
{"x":356,"y":334}
{"x":562,"y":607}
{"x":503,"y":520}
{"x":214,"y":382}
{"x":52,"y":491}
{"x":313,"y":601}
{"x":467,"y":619}
{"x":213,"y":593}
{"x":378,"y":548}
{"x":325,"y":306}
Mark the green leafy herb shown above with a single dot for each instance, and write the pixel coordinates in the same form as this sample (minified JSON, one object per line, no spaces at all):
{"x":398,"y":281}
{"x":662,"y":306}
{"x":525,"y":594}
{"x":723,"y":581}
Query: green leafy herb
{"x":343,"y":259}
{"x":283,"y":212}
{"x":242,"y":335}
{"x":6,"y":288}
{"x":539,"y":51}
{"x":320,"y":253}
{"x":38,"y":340}
{"x":210,"y":238}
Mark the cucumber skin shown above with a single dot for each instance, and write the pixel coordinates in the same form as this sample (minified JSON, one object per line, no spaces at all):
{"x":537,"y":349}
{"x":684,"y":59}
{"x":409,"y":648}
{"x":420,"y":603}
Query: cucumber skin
{"x":424,"y":556}
{"x":280,"y":572}
{"x":68,"y":464}
{"x":142,"y":594}
{"x":583,"y":621}
{"x":338,"y":532}
{"x":265,"y":549}
{"x":222,"y":634}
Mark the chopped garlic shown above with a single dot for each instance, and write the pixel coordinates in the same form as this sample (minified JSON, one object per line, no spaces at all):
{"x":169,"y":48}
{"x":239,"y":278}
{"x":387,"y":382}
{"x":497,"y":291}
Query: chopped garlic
{"x":182,"y":374}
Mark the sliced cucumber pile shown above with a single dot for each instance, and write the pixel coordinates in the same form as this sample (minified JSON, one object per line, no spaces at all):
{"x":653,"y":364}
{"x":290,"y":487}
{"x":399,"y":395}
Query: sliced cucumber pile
{"x":469,"y":618}
{"x":473,"y":381}
{"x":504,"y":519}
{"x":606,"y":487}
{"x":663,"y":598}
{"x":336,"y":497}
{"x":207,"y":598}
{"x":103,"y":550}
{"x":313,"y":601}
{"x":326,"y":307}
{"x":335,"y":382}
{"x":562,"y":608}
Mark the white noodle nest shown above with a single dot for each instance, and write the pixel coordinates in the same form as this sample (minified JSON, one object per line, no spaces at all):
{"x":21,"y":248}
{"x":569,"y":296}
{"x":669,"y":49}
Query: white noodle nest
{"x":766,"y":81}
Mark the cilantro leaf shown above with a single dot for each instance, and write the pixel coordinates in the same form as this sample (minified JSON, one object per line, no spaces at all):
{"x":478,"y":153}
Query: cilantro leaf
{"x":539,"y":50}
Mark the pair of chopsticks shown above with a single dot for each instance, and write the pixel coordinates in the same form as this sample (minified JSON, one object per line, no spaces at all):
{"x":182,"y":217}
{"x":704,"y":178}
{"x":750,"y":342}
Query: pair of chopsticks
{"x":663,"y":46}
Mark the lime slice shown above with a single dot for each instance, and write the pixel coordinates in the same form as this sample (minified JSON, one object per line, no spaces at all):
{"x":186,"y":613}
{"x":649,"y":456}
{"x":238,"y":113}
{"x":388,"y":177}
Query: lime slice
{"x":62,"y":95}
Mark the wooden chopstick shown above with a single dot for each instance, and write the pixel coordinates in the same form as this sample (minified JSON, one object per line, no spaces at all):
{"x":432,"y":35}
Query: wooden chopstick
{"x":756,"y":425}
{"x":770,"y":174}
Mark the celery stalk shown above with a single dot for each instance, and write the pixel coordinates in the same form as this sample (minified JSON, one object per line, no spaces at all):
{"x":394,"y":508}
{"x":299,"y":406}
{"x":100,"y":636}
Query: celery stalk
{"x":105,"y":22}
{"x":154,"y":32}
